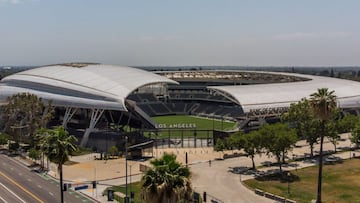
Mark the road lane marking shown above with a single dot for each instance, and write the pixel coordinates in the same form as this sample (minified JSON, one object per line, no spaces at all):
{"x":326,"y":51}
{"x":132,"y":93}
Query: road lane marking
{"x":39,"y":186}
{"x":3,"y":199}
{"x":29,"y":179}
{"x":51,"y":193}
{"x":20,"y":164}
{"x":15,"y":195}
{"x":21,"y":187}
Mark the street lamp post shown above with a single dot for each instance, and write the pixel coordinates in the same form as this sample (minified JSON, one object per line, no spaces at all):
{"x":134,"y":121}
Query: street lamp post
{"x":126,"y":183}
{"x":130,"y":180}
{"x":350,"y":145}
{"x":156,"y":144}
{"x":288,"y":176}
{"x":95,"y":180}
{"x":222,"y":123}
{"x":213,"y":122}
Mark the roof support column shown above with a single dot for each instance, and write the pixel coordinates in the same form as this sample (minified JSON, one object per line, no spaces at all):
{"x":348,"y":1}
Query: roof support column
{"x":69,"y":113}
{"x":95,"y":117}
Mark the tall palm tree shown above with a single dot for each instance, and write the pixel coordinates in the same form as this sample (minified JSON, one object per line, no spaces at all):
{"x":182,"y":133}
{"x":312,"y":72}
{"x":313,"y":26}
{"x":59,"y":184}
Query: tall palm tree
{"x":40,"y":139}
{"x":323,"y":103}
{"x":167,"y":181}
{"x":59,"y":145}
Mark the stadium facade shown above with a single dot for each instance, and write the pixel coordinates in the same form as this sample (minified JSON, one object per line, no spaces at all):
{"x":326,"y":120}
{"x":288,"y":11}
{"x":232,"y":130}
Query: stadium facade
{"x":95,"y":87}
{"x":129,"y":96}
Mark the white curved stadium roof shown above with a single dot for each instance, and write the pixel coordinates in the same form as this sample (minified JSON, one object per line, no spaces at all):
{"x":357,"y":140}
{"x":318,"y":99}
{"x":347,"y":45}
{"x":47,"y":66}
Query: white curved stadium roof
{"x":252,"y":97}
{"x":84,"y":86}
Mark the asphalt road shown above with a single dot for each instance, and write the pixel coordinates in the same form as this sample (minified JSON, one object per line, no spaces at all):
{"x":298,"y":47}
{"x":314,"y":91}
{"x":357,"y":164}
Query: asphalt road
{"x":19,"y":184}
{"x":11,"y":194}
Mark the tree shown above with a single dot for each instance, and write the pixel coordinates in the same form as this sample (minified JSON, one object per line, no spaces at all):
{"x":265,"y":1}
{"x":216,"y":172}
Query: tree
{"x":4,"y":138}
{"x":234,"y":141}
{"x":278,"y":139}
{"x":167,"y":181}
{"x":301,"y":117}
{"x":25,"y":109}
{"x":355,"y":135}
{"x":41,"y":142}
{"x":251,"y":143}
{"x":221,"y":145}
{"x":114,"y":151}
{"x":323,"y":103}
{"x":312,"y":135}
{"x":59,"y":145}
{"x":332,"y":134}
{"x":34,"y":154}
{"x":346,"y":123}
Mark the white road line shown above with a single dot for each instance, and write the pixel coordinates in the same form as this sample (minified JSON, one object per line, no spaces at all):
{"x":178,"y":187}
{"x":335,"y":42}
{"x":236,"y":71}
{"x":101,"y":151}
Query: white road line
{"x":51,"y":193}
{"x":29,"y":179}
{"x":20,"y":174}
{"x":3,"y":199}
{"x":39,"y":186}
{"x":12,"y":169}
{"x":15,"y":195}
{"x":19,"y":164}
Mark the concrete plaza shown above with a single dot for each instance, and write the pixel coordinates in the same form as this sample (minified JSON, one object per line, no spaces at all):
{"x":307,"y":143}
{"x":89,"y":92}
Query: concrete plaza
{"x":215,"y":178}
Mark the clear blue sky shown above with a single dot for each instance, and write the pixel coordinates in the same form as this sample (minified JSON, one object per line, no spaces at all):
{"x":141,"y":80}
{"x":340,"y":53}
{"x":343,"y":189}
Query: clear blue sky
{"x":181,"y":32}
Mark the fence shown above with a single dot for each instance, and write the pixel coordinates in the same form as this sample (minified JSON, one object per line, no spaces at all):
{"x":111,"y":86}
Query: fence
{"x":181,"y":138}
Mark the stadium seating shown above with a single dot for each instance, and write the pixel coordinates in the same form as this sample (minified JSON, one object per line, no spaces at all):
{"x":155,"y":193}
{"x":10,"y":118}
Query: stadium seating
{"x":183,"y":102}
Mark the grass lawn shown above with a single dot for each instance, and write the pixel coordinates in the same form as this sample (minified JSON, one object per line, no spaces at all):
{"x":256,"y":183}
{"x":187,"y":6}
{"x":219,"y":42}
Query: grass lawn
{"x":135,"y":187}
{"x":341,"y":183}
{"x":201,"y":124}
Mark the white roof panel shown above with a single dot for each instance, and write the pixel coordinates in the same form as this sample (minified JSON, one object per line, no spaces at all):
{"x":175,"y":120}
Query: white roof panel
{"x":93,"y":82}
{"x":283,"y":94}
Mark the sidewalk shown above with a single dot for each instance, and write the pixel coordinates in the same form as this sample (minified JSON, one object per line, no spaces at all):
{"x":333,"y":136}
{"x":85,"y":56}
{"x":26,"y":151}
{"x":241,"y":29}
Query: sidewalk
{"x":216,"y":180}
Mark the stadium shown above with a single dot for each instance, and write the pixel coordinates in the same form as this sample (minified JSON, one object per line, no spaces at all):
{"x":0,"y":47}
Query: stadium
{"x":105,"y":104}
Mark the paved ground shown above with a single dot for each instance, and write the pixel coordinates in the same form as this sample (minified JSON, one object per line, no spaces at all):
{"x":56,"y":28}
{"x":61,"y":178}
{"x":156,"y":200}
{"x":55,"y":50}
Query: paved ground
{"x":216,"y":179}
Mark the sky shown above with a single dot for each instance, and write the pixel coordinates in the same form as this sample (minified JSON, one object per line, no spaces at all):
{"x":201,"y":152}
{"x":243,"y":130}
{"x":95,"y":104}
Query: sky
{"x":181,"y":32}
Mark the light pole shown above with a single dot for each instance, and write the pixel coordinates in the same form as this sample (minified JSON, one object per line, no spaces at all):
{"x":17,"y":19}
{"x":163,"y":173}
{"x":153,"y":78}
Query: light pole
{"x":222,"y":123}
{"x":126,"y":183}
{"x":213,"y":122}
{"x":156,"y":145}
{"x":350,"y":145}
{"x":130,"y":180}
{"x":95,"y":179}
{"x":288,"y":176}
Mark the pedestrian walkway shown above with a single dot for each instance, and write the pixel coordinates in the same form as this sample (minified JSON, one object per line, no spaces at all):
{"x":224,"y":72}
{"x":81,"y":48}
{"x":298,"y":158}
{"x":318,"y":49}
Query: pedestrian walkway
{"x":215,"y":178}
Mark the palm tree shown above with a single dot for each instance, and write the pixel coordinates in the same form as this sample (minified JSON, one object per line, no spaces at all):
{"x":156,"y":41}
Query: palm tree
{"x":323,"y":104}
{"x":40,"y":140}
{"x":59,"y":145}
{"x":167,"y":181}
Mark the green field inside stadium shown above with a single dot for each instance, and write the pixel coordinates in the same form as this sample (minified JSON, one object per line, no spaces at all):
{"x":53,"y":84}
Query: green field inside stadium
{"x":186,"y":126}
